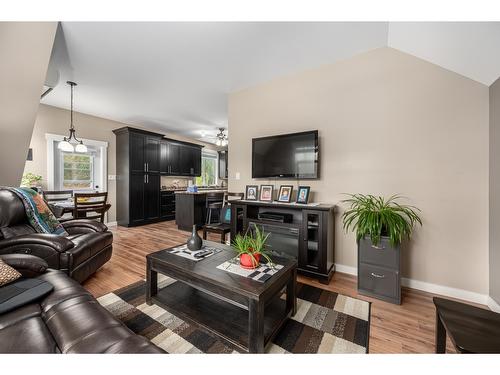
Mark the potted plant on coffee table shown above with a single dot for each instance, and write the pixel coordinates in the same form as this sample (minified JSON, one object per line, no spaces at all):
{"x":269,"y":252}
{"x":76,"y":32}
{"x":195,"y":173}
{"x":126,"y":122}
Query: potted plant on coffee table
{"x":381,"y":225}
{"x":251,"y":247}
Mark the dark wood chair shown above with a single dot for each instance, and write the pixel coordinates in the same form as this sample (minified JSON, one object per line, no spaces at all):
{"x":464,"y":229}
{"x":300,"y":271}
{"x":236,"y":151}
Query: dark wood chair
{"x":51,"y":196}
{"x":55,"y":196}
{"x":91,"y":206}
{"x":229,"y":197}
{"x":214,"y":202}
{"x":221,"y":228}
{"x":471,"y":329}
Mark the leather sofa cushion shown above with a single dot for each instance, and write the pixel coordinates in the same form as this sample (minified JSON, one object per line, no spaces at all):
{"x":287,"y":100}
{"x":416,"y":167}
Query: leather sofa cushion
{"x":11,"y":209}
{"x":15,"y":325}
{"x":27,"y":265}
{"x":79,"y":324}
{"x":17,"y":230}
{"x":40,"y":340}
{"x":89,"y":244}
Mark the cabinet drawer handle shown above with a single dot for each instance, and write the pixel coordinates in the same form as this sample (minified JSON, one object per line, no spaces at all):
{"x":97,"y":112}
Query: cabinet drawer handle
{"x":378,"y":247}
{"x":378,"y":276}
{"x":144,"y":167}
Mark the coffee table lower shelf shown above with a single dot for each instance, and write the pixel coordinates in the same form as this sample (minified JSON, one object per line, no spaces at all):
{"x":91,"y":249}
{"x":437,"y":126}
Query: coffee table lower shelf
{"x":219,"y":317}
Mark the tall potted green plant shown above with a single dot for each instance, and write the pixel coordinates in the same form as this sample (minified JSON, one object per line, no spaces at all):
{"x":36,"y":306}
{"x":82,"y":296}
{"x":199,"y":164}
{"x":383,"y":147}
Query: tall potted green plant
{"x":381,"y":225}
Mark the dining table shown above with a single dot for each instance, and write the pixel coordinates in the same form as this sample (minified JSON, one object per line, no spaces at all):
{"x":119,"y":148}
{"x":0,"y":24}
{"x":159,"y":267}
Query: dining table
{"x":60,"y":208}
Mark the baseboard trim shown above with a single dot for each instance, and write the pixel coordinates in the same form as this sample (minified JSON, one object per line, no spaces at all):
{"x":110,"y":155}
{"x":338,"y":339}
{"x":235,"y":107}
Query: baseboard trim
{"x":346,"y":269}
{"x":111,"y":223}
{"x":432,"y":288}
{"x":493,"y":305}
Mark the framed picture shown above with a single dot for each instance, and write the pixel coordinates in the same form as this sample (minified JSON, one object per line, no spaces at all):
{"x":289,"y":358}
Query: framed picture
{"x":266,"y":193}
{"x":303,"y":194}
{"x":285,"y":194}
{"x":252,"y":192}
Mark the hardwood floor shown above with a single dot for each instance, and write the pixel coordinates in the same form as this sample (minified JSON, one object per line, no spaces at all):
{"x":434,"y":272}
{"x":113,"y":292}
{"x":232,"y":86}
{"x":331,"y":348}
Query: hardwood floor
{"x":406,"y":328}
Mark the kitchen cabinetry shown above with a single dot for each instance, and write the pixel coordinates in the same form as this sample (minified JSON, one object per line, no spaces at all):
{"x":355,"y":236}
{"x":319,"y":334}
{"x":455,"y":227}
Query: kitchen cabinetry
{"x":180,"y":159}
{"x":138,"y":176}
{"x":141,"y":158}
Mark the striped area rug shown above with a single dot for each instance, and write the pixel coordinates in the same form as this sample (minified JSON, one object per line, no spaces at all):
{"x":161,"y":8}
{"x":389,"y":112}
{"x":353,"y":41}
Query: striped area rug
{"x":325,"y":322}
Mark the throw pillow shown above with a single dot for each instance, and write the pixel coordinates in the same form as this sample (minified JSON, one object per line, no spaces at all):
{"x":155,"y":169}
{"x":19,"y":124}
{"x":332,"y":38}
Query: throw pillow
{"x":7,"y":274}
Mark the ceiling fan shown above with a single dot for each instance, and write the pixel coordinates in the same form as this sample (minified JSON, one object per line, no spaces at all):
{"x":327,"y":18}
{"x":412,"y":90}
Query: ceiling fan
{"x":220,"y":139}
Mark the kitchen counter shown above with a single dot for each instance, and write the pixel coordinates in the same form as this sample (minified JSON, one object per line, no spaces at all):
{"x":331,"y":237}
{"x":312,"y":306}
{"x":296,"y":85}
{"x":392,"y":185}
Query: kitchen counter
{"x":191,"y":208}
{"x":201,"y":191}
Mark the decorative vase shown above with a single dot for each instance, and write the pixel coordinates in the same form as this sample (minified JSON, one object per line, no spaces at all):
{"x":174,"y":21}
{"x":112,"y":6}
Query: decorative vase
{"x":246,"y":261}
{"x":195,"y":242}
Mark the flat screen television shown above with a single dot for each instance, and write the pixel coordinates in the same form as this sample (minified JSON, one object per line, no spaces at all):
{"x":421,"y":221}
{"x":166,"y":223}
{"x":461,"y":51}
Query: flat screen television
{"x":293,"y":155}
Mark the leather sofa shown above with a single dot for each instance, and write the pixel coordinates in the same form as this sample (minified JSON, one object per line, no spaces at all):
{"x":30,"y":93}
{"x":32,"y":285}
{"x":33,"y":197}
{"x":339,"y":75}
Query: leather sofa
{"x":67,"y":320}
{"x":88,"y":246}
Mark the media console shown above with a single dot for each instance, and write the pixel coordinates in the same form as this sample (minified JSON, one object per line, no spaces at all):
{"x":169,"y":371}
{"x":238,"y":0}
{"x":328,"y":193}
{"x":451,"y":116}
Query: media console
{"x":306,"y":234}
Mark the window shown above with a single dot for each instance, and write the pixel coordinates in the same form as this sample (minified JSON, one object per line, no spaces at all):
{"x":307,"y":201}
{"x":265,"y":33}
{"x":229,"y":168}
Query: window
{"x":77,"y":171}
{"x":208,"y":169}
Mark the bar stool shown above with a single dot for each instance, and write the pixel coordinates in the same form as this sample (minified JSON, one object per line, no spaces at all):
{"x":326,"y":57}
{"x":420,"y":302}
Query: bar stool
{"x":214,"y":202}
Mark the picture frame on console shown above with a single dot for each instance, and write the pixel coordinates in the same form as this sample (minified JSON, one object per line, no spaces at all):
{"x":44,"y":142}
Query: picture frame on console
{"x":303,"y":194}
{"x":252,"y":192}
{"x":266,"y":193}
{"x":285,"y":193}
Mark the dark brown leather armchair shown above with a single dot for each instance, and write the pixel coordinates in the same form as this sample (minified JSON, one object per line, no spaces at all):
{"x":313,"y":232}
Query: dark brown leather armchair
{"x":88,"y":246}
{"x":67,"y":320}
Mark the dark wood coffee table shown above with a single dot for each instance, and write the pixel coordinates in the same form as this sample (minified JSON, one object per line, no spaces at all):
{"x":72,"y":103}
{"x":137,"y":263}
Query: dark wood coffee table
{"x":244,"y":312}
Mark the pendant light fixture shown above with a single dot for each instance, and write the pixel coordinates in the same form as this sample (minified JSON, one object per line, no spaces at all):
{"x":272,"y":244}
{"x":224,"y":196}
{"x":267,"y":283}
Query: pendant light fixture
{"x":67,"y":143}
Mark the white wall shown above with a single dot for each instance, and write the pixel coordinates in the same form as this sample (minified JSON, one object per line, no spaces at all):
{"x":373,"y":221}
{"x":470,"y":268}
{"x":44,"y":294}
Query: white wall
{"x":388,"y":123}
{"x":25,"y":49}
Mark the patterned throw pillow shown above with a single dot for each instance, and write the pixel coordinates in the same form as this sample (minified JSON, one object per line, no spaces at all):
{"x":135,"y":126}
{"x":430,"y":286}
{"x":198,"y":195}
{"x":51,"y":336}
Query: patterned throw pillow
{"x":7,"y":274}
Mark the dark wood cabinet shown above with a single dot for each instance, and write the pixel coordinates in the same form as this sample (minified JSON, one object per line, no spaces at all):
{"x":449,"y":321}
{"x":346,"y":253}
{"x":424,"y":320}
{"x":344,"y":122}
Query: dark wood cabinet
{"x":138,"y":176}
{"x":152,"y":155}
{"x":136,"y":155}
{"x":141,"y":158}
{"x":152,"y":197}
{"x":167,"y":205}
{"x":180,"y":159}
{"x":223,"y":165}
{"x":164,"y":165}
{"x":308,"y":237}
{"x":136,"y":201}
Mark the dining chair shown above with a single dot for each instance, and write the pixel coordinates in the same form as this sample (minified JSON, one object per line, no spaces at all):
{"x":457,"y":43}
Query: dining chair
{"x":91,"y":205}
{"x":229,"y":197}
{"x":52,"y":197}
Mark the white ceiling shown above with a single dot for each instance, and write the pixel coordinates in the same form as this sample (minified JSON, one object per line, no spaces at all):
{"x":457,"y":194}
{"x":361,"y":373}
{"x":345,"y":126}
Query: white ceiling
{"x":175,"y":77}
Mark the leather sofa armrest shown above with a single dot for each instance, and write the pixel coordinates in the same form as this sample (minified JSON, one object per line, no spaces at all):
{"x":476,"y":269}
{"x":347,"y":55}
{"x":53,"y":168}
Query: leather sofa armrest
{"x":27,"y":265}
{"x":80,"y":226}
{"x":58,"y":243}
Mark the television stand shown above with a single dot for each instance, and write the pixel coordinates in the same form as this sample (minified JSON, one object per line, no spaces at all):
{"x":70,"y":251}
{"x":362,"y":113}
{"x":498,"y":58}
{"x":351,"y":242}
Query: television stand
{"x":308,"y":235}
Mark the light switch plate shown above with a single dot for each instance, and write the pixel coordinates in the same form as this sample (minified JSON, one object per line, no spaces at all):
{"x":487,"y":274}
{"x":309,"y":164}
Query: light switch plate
{"x":237,"y":176}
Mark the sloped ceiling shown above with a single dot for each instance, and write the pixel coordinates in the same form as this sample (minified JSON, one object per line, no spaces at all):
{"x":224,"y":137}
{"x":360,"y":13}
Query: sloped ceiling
{"x":176,"y":76}
{"x":468,"y":48}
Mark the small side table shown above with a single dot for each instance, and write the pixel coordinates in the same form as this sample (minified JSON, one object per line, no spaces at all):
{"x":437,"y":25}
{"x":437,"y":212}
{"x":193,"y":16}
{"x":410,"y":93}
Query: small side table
{"x":470,"y":328}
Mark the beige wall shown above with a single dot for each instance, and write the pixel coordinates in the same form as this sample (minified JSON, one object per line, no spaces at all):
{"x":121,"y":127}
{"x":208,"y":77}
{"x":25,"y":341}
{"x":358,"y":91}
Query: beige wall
{"x":388,"y":123}
{"x":494,"y":259}
{"x":56,"y":121}
{"x":25,"y":49}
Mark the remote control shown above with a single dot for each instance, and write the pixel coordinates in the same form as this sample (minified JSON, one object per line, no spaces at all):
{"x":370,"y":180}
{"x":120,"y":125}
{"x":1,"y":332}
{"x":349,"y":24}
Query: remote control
{"x":203,"y":254}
